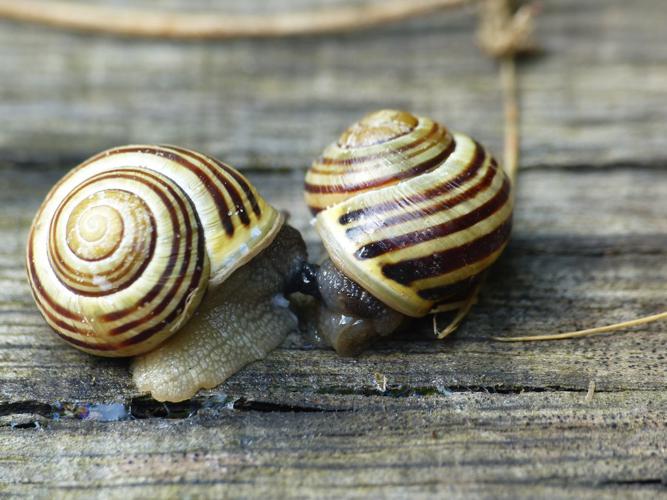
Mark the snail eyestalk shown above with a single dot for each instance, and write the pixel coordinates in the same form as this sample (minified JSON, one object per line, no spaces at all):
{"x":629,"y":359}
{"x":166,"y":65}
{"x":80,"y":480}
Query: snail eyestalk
{"x":303,"y":279}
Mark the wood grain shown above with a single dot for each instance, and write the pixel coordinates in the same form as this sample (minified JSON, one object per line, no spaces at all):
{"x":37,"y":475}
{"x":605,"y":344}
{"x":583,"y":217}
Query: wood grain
{"x":277,"y":103}
{"x":556,"y":445}
{"x":463,"y":417}
{"x":411,"y":418}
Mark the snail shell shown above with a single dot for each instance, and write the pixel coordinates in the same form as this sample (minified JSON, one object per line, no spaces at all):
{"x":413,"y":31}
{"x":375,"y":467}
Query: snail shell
{"x":410,"y":211}
{"x":124,"y":247}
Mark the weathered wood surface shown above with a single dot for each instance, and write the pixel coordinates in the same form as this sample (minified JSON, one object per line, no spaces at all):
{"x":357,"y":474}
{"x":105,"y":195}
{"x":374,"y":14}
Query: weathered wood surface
{"x":598,"y":95}
{"x":463,"y":417}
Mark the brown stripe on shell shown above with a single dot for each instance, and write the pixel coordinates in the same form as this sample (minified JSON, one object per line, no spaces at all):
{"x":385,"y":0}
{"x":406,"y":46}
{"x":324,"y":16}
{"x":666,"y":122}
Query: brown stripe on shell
{"x":173,"y":256}
{"x":87,"y":345}
{"x":121,"y":271}
{"x":86,"y":279}
{"x":450,"y":292}
{"x":383,"y":140}
{"x":241,"y":210}
{"x":216,"y":194}
{"x":446,"y":261}
{"x":102,"y":176}
{"x":475,"y":163}
{"x":454,"y":225}
{"x":213,"y":169}
{"x":41,"y":296}
{"x":382,"y":181}
{"x":326,"y":160}
{"x":199,"y":267}
{"x":357,"y":233}
{"x":118,"y":273}
{"x":244,"y":185}
{"x":40,"y":289}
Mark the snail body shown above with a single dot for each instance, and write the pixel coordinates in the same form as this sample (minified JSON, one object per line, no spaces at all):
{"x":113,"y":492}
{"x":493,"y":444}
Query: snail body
{"x":132,"y":243}
{"x":409,"y":212}
{"x":241,"y":320}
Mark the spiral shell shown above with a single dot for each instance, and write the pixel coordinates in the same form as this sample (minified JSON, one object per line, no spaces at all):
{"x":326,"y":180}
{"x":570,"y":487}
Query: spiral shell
{"x":124,"y":247}
{"x":410,"y":211}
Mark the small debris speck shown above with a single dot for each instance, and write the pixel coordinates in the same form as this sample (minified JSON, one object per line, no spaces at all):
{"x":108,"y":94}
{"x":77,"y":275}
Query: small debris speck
{"x":380,"y":381}
{"x":591,"y":391}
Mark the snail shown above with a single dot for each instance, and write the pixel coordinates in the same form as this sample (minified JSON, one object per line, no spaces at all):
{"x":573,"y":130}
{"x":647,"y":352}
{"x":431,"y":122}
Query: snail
{"x":166,"y":255}
{"x":410,"y":215}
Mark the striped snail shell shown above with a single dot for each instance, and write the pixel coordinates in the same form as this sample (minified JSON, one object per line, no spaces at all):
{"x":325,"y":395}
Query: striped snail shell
{"x":409,"y":211}
{"x":124,"y":247}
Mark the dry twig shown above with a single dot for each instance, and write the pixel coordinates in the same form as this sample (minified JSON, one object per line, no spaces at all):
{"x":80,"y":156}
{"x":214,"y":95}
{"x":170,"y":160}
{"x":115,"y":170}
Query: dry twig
{"x":460,"y":315}
{"x":151,"y":23}
{"x":502,"y":35}
{"x":589,"y":331}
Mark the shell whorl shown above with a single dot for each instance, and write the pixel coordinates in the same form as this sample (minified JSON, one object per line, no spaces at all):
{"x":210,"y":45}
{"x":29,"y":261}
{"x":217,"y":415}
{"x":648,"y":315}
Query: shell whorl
{"x":411,"y":212}
{"x":383,"y":148}
{"x":124,"y":247}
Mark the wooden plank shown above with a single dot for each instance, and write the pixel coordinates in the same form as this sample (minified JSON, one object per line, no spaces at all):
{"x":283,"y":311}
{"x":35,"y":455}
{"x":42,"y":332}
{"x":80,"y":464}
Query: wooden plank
{"x":585,"y":264}
{"x":460,"y":444}
{"x":411,"y":417}
{"x":276,"y":103}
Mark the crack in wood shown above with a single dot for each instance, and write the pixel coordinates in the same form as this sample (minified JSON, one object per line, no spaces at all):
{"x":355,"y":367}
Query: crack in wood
{"x":636,"y":481}
{"x":243,"y":404}
{"x":141,"y":408}
{"x":402,"y":391}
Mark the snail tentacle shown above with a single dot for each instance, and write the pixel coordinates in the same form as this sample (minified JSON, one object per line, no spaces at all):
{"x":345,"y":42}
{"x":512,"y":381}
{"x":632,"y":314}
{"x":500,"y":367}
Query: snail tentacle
{"x":303,"y":279}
